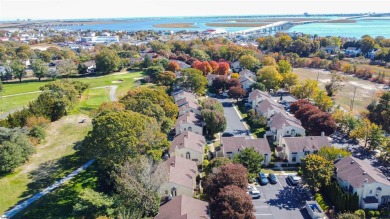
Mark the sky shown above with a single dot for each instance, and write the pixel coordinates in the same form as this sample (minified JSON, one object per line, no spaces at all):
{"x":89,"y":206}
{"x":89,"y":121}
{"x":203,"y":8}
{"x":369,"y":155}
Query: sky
{"x":73,"y":9}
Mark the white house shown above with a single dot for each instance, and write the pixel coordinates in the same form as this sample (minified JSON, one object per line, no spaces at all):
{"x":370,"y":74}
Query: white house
{"x":189,"y":122}
{"x":246,"y":82}
{"x":293,"y":149}
{"x":233,"y":145}
{"x":358,"y":176}
{"x":284,"y":125}
{"x":181,"y":177}
{"x":247,"y":73}
{"x":256,"y":96}
{"x":188,"y":145}
{"x":352,"y":51}
{"x":187,"y":104}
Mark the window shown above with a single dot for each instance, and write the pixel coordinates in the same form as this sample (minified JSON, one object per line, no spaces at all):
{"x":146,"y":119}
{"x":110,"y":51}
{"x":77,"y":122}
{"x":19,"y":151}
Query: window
{"x":188,"y":155}
{"x":190,"y":129}
{"x":307,"y":152}
{"x":288,"y":132}
{"x":293,"y":132}
{"x":173,"y":191}
{"x":294,"y":159}
{"x":370,"y":191}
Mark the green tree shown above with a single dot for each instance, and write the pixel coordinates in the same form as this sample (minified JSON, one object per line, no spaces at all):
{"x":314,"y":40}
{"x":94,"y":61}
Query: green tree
{"x":257,"y":86}
{"x":249,"y":62}
{"x":94,"y":204}
{"x":270,"y":77}
{"x":18,"y":69}
{"x":118,"y":136}
{"x":284,"y":67}
{"x":15,"y":149}
{"x":166,"y":78}
{"x":107,"y":61}
{"x":335,"y":84}
{"x":193,"y":80}
{"x":147,"y":62}
{"x":323,"y":101}
{"x":333,"y":153}
{"x":306,"y":89}
{"x":200,"y":55}
{"x":317,"y":170}
{"x":289,"y":80}
{"x":251,"y":159}
{"x":154,"y":71}
{"x":40,"y":69}
{"x":217,"y":162}
{"x":215,"y":121}
{"x":37,"y":132}
{"x":367,"y":43}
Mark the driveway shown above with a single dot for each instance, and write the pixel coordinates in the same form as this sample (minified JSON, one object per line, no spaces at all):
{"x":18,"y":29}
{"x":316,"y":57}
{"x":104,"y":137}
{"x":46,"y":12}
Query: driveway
{"x":234,"y":123}
{"x":281,"y":201}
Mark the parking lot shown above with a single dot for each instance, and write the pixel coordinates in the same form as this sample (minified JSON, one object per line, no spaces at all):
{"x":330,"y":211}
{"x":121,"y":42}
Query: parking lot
{"x":281,"y":201}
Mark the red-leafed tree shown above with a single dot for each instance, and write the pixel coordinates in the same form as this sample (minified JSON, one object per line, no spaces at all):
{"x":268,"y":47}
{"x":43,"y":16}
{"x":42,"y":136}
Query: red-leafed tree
{"x":230,"y":174}
{"x":214,"y":65}
{"x":233,"y":82}
{"x":297,"y":105}
{"x":220,"y":83}
{"x":223,"y":68}
{"x":232,"y":202}
{"x":173,"y":66}
{"x":203,"y":66}
{"x":236,"y":92}
{"x":321,"y":122}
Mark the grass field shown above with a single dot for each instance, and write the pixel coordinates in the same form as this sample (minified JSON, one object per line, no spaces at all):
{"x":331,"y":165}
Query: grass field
{"x":53,"y":160}
{"x":92,"y":99}
{"x":375,"y":68}
{"x":365,"y":90}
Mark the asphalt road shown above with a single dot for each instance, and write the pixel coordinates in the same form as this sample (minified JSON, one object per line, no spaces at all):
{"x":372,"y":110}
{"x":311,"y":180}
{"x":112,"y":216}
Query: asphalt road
{"x":281,"y":201}
{"x":234,"y":123}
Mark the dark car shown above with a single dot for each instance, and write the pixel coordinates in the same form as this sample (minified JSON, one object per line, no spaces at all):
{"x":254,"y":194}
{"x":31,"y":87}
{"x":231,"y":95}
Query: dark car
{"x":263,"y":179}
{"x":272,"y":178}
{"x":227,"y":134}
{"x":293,"y":180}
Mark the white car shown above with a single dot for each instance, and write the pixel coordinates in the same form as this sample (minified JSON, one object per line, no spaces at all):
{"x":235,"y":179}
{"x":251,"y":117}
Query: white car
{"x":254,"y":193}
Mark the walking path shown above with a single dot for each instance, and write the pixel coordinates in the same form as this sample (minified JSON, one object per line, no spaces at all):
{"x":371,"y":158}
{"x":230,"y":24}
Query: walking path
{"x":17,"y":208}
{"x":113,"y":89}
{"x":20,"y":94}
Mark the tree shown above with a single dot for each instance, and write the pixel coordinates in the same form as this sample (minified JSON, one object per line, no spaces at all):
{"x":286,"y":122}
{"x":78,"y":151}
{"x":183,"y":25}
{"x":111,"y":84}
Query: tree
{"x":270,"y":77}
{"x":268,"y":61}
{"x":92,"y":203}
{"x":107,"y":61}
{"x":257,"y":86}
{"x":284,"y":67}
{"x":53,"y":74}
{"x":347,"y":216}
{"x":251,"y":159}
{"x":173,"y":66}
{"x":66,"y":68}
{"x":297,"y":105}
{"x":40,"y":69}
{"x":18,"y":69}
{"x":153,"y":71}
{"x":289,"y":80}
{"x":367,"y":43}
{"x":225,"y":175}
{"x":223,"y":68}
{"x":220,"y":83}
{"x":335,"y":84}
{"x":249,"y":62}
{"x":216,"y":162}
{"x":147,"y":62}
{"x":203,"y":66}
{"x":118,"y":136}
{"x":200,"y":55}
{"x":320,"y":122}
{"x":306,"y":89}
{"x":166,"y":78}
{"x":45,"y":56}
{"x":379,"y":111}
{"x":236,"y":92}
{"x":323,"y":101}
{"x":214,"y":65}
{"x":15,"y":149}
{"x":370,"y":133}
{"x":138,"y":184}
{"x":194,"y":80}
{"x":333,"y":153}
{"x":317,"y":170}
{"x":232,"y":202}
{"x":215,"y":121}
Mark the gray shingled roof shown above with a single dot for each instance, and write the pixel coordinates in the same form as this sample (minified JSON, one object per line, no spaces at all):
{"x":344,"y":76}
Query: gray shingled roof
{"x":279,"y":119}
{"x":307,"y":143}
{"x":258,"y":93}
{"x":189,"y":117}
{"x":181,"y":171}
{"x":357,"y":171}
{"x":234,"y":144}
{"x":189,"y":140}
{"x":183,"y":207}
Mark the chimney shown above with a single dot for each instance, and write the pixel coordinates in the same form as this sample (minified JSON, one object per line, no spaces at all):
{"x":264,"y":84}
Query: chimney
{"x":364,"y":173}
{"x":322,"y":134}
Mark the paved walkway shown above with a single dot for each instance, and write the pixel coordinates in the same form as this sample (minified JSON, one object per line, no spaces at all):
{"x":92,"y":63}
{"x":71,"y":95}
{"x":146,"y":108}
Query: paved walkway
{"x":17,"y":208}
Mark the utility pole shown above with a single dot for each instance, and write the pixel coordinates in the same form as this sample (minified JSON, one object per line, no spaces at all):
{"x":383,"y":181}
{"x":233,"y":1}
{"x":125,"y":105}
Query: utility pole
{"x":353,"y":99}
{"x":318,"y":75}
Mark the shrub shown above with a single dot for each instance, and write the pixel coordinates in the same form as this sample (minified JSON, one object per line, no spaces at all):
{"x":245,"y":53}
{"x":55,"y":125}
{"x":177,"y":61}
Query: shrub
{"x":360,"y":213}
{"x":320,"y":200}
{"x":37,"y":132}
{"x":377,"y":213}
{"x":271,"y":164}
{"x":371,"y":213}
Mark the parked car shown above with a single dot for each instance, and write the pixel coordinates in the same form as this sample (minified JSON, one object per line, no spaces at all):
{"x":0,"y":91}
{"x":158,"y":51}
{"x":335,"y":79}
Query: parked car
{"x":272,"y":178}
{"x":254,"y":194}
{"x":293,"y":180}
{"x":263,"y":179}
{"x":227,"y":134}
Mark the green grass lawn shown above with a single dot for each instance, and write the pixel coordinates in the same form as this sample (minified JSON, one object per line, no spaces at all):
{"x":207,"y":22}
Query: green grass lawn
{"x":10,"y":103}
{"x":92,"y":99}
{"x":53,"y":160}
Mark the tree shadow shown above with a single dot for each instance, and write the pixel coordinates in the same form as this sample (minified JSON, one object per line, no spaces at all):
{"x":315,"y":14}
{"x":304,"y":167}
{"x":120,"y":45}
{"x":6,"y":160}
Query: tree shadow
{"x":51,"y":171}
{"x":290,"y":198}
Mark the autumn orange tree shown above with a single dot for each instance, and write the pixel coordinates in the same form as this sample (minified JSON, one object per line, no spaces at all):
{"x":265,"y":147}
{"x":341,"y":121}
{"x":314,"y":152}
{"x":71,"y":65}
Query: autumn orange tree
{"x":214,"y":65}
{"x":203,"y":66}
{"x":173,"y":66}
{"x":223,"y":68}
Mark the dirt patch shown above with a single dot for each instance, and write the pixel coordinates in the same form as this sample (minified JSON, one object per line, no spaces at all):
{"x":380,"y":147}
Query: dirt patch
{"x":117,"y":82}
